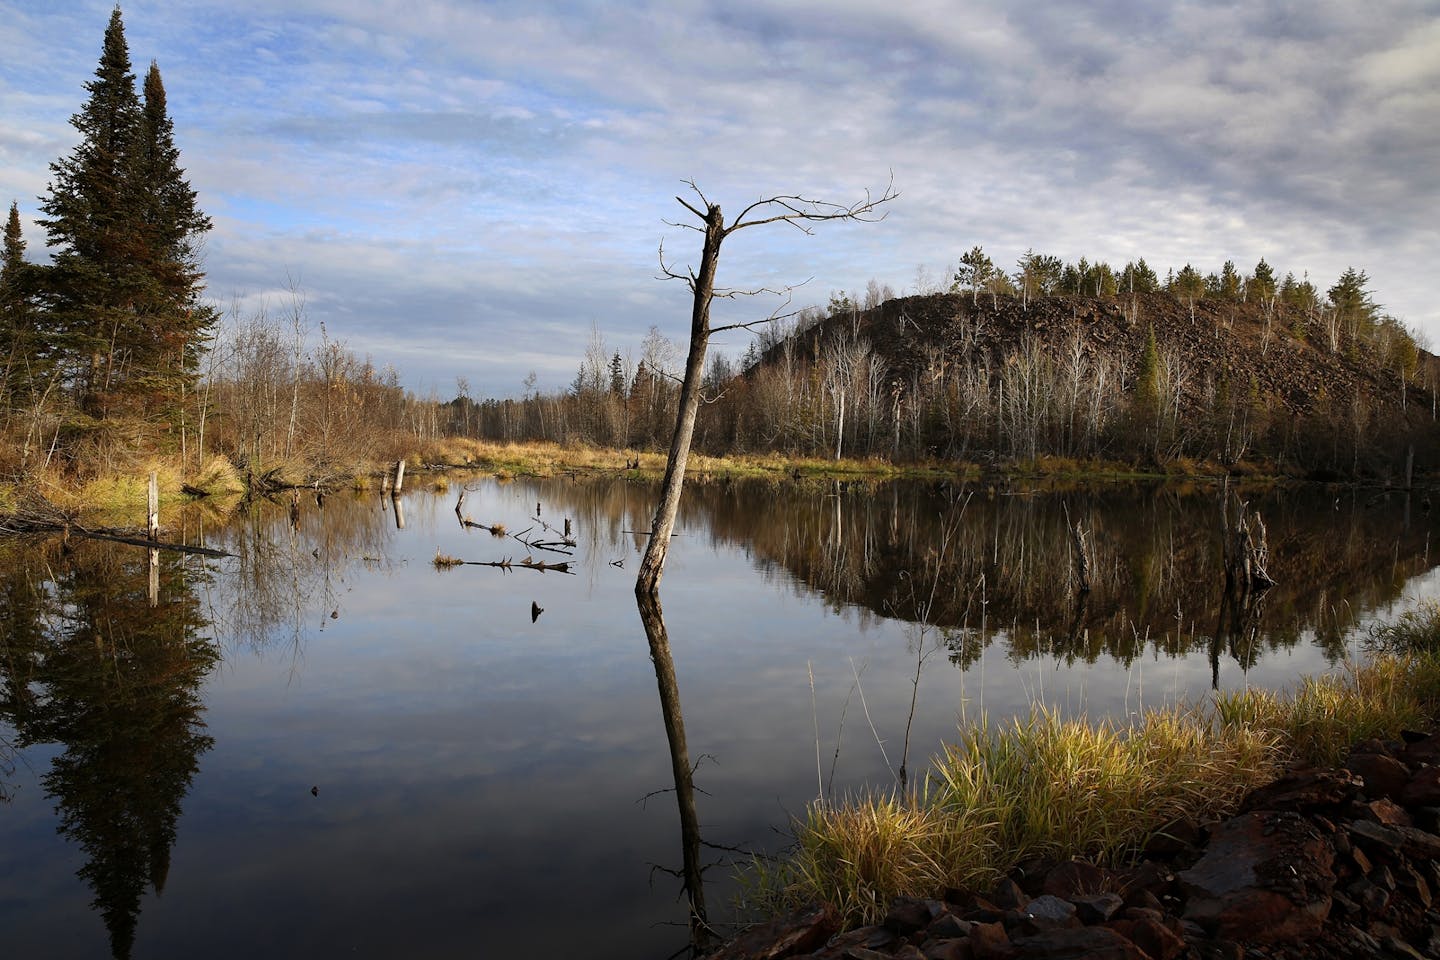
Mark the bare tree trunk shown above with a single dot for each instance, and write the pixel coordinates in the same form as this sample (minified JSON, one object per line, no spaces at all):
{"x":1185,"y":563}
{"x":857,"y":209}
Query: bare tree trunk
{"x":795,"y":210}
{"x":653,"y":564}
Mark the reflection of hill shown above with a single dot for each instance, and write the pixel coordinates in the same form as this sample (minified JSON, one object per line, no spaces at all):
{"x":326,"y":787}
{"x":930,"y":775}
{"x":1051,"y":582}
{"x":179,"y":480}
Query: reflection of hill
{"x":1000,"y":559}
{"x":89,"y":664}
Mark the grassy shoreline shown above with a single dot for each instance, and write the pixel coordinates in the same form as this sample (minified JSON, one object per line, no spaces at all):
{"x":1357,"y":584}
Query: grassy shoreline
{"x":1047,"y":787}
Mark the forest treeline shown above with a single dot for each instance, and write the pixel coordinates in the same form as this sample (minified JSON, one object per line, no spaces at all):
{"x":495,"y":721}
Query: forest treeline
{"x":111,"y":353}
{"x":1061,"y":360}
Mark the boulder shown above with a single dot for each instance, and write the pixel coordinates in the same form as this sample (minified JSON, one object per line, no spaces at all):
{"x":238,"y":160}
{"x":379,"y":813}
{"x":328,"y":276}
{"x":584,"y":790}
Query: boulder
{"x":1265,"y":877}
{"x":1302,"y":790}
{"x":1384,"y":776}
{"x":1423,"y":790}
{"x":802,"y":931}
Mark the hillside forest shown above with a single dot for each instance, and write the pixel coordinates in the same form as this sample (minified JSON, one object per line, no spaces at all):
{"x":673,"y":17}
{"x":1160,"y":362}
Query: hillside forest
{"x":111,"y":354}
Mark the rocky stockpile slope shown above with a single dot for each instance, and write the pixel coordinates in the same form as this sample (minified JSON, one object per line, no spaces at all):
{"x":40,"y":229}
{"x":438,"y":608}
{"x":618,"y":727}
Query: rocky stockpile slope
{"x":1331,"y":863}
{"x":1286,"y":360}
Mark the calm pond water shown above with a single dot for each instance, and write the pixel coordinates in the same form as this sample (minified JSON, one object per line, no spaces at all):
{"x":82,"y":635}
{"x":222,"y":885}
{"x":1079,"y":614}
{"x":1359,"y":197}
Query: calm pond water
{"x":324,"y":746}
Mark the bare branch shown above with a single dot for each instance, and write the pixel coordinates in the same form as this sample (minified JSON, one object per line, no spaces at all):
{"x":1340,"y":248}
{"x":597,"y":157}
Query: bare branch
{"x":681,"y":201}
{"x":800,"y":211}
{"x":774,"y":315}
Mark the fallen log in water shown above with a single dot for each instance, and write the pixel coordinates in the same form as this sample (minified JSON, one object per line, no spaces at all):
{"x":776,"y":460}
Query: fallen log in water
{"x":38,"y":515}
{"x":527,"y":564}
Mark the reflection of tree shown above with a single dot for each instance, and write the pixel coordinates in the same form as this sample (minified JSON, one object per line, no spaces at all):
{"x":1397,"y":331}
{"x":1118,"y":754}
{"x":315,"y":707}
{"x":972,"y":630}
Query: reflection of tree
{"x":89,"y":664}
{"x":1156,"y":570}
{"x":692,"y":870}
{"x":287,"y":561}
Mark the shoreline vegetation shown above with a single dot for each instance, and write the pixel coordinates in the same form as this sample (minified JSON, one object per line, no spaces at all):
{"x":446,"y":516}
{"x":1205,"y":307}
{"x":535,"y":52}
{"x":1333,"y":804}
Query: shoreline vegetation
{"x":1041,"y":788}
{"x":119,"y":492}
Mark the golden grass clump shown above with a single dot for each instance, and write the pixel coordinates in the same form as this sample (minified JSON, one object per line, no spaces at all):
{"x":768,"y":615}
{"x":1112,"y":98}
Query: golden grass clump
{"x":443,"y":561}
{"x":1046,"y":786}
{"x":218,"y":476}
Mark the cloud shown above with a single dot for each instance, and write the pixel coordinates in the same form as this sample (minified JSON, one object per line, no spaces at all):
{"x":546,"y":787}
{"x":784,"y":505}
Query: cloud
{"x":491,"y":179}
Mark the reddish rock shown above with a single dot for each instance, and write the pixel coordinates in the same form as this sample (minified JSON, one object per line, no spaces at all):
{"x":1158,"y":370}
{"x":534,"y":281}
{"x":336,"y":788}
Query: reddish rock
{"x":908,"y":914}
{"x":1374,"y":838}
{"x":1265,"y":877}
{"x":1098,"y":907}
{"x":1419,"y":843}
{"x":1384,"y":776}
{"x":1175,"y":838}
{"x":947,"y":926}
{"x":1304,"y":790}
{"x":842,"y":944}
{"x":1151,"y":877}
{"x":1076,"y":878}
{"x":1007,"y":895}
{"x":803,"y":931}
{"x":1426,"y":750}
{"x":950,"y":949}
{"x":1373,"y":745}
{"x":1156,"y":939}
{"x":1423,"y":790}
{"x":989,"y":941}
{"x":1385,"y":812}
{"x":1081,"y":943}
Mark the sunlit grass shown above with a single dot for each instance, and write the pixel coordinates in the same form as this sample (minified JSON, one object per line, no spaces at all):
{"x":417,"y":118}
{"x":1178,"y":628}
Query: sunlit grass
{"x":1045,"y":786}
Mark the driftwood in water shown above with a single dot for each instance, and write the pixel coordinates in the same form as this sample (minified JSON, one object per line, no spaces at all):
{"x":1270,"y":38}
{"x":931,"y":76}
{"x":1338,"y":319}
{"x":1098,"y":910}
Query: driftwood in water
{"x":498,"y":530}
{"x":563,"y":547}
{"x":526,"y":564}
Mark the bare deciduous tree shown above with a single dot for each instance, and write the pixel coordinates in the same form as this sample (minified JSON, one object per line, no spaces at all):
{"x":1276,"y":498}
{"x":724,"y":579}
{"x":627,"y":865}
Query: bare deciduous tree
{"x":801,"y":213}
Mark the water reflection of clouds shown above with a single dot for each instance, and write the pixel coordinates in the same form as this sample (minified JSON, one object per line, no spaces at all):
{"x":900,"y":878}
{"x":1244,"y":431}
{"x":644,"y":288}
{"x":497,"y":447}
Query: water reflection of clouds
{"x":475,"y":768}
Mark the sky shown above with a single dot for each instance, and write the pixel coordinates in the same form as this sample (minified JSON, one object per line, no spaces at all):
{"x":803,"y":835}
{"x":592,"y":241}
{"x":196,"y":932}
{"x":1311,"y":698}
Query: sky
{"x":475,"y":190}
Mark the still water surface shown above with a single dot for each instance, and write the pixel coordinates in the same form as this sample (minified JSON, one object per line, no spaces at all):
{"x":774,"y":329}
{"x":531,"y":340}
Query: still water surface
{"x":324,"y":746}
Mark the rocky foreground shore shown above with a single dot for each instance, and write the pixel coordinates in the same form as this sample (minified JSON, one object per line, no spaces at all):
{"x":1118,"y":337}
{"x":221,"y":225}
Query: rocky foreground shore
{"x":1322,"y":863}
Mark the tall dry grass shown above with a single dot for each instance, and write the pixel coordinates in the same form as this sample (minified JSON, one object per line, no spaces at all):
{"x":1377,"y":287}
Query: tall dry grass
{"x":1042,"y":785}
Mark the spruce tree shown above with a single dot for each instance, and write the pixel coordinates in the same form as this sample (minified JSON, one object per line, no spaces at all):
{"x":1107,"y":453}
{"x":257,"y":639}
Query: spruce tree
{"x":17,"y":360}
{"x":92,"y":221}
{"x":124,"y":291}
{"x":173,"y":321}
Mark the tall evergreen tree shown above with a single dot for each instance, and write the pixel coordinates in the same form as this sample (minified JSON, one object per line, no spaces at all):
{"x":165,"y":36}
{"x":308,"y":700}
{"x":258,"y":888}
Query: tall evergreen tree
{"x":173,"y":320}
{"x":124,"y":291}
{"x":17,"y":360}
{"x":92,"y":221}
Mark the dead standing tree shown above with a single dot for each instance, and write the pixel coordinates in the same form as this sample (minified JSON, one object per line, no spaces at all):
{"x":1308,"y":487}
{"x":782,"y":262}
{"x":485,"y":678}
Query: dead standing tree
{"x":800,"y":213}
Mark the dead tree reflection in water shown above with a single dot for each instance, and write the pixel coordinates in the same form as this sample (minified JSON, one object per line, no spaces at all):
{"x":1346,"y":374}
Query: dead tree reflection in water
{"x":692,"y":871}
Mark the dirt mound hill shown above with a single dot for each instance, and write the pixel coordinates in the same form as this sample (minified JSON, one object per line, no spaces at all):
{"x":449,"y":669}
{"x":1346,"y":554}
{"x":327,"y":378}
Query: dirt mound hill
{"x":1282,"y":359}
